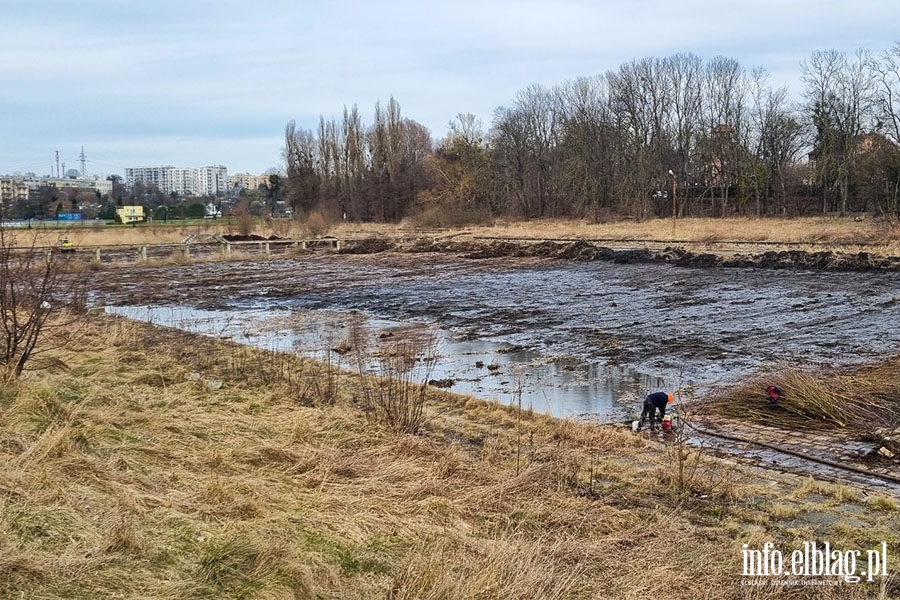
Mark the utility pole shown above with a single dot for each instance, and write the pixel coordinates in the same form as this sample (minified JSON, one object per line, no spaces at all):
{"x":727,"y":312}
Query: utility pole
{"x":57,"y":164}
{"x":674,"y":193}
{"x":83,"y":161}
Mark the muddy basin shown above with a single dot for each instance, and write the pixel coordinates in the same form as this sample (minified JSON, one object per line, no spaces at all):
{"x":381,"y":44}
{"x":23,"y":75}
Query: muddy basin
{"x":569,"y":338}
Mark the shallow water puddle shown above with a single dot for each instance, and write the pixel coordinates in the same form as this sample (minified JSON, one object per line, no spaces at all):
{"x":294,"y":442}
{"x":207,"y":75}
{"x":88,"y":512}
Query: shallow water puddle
{"x":563,"y":386}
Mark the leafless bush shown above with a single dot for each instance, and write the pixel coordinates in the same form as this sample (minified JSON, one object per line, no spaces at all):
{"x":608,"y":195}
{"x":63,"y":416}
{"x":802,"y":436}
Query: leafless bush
{"x":244,"y":218}
{"x":394,"y":370}
{"x":444,"y":217}
{"x":316,"y":224}
{"x":692,"y":471}
{"x":34,"y":290}
{"x":322,"y":383}
{"x":283,"y":228}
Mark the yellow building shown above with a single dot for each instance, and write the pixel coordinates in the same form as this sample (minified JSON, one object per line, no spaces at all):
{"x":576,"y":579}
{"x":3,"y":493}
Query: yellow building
{"x":243,"y":180}
{"x":130,"y":214}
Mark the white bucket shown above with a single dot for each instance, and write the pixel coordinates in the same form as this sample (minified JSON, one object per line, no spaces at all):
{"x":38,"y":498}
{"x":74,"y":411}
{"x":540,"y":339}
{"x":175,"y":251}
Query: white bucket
{"x":634,"y":425}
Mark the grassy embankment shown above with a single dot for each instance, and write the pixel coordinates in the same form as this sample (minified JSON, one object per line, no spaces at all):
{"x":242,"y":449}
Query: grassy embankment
{"x":122,"y":474}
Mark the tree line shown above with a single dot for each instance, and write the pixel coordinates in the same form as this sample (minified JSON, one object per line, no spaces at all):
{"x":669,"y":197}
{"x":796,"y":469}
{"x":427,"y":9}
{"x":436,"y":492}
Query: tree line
{"x":674,"y":136}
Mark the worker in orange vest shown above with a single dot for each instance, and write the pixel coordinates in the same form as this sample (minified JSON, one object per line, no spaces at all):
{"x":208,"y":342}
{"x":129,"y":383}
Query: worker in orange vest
{"x":657,"y":401}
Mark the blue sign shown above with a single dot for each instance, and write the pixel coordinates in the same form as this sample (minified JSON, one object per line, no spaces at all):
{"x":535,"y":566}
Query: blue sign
{"x":68,"y":217}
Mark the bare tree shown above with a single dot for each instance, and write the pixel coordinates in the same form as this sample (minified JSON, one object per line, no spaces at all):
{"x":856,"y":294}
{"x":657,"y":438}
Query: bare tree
{"x":727,"y":122}
{"x":303,"y":180}
{"x":525,"y":137}
{"x":886,"y":70}
{"x":839,"y":92}
{"x":779,"y":139}
{"x":587,"y":164}
{"x":640,"y":98}
{"x":32,"y":291}
{"x":353,"y":164}
{"x":685,"y":79}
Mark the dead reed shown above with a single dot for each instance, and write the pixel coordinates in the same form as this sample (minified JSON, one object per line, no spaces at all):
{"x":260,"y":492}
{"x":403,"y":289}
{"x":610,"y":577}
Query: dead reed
{"x":863,"y":397}
{"x":394,"y":370}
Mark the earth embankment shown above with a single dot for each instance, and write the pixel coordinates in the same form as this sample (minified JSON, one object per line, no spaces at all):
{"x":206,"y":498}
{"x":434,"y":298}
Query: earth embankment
{"x":586,"y":251}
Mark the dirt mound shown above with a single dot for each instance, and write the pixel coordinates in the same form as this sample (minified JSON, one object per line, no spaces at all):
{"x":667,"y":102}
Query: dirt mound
{"x":800,"y":259}
{"x":368,"y":246}
{"x":448,"y":246}
{"x":585,"y":251}
{"x":233,"y":237}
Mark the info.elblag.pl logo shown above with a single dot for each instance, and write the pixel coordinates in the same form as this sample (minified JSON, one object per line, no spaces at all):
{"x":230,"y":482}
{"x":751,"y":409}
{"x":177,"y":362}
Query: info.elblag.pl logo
{"x":816,"y":560}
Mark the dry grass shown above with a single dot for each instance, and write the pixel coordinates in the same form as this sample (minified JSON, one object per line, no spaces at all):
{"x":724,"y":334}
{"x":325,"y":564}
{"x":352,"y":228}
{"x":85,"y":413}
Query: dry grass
{"x":127,"y":476}
{"x":831,"y":231}
{"x":816,"y":232}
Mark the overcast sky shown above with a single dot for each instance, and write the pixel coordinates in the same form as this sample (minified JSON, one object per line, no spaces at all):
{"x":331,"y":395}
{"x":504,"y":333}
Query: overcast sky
{"x":192,"y":83}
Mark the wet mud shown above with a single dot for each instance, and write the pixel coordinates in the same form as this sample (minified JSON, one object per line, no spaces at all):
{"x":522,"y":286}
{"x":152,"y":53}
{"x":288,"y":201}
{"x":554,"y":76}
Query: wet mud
{"x":568,"y":329}
{"x":684,"y":326}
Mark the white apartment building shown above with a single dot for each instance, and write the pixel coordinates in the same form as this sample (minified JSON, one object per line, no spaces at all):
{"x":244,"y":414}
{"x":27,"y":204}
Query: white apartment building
{"x":213,"y":180}
{"x":158,"y":176}
{"x":205,"y":181}
{"x":183,"y":181}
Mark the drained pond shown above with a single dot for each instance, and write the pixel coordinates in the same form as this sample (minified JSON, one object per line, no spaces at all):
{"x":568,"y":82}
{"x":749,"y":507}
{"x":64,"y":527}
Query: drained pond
{"x":567,"y":338}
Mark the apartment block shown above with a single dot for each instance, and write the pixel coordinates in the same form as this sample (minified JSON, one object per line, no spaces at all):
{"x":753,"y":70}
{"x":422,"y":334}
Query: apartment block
{"x":205,"y":181}
{"x":213,"y":180}
{"x":12,"y":189}
{"x":243,"y":181}
{"x":161,"y":177}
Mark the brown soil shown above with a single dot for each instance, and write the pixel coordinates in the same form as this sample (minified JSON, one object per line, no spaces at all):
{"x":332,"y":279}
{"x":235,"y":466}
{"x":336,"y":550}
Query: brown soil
{"x":586,"y":251}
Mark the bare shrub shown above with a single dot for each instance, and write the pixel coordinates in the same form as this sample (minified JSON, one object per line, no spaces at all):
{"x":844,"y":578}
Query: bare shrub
{"x":441,"y":217}
{"x":244,"y":218}
{"x":283,"y":228}
{"x":33,"y":295}
{"x":394,"y":370}
{"x":710,"y":239}
{"x":316,"y":224}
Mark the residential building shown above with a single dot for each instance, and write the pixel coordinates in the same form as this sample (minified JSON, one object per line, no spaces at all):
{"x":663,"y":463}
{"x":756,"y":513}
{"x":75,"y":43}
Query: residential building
{"x":79,"y":183}
{"x":130,"y":214}
{"x":213,"y":180}
{"x":12,"y":189}
{"x":205,"y":181}
{"x":183,"y":181}
{"x":263,"y":180}
{"x":243,"y":181}
{"x":159,"y":176}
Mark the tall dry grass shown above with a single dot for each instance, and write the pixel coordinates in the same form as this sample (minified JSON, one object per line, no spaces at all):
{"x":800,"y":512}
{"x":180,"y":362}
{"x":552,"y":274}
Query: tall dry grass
{"x":835,"y":231}
{"x":816,"y":232}
{"x":394,"y":370}
{"x":127,"y":475}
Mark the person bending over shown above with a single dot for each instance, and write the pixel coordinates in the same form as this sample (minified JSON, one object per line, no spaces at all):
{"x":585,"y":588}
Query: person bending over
{"x":656,"y":401}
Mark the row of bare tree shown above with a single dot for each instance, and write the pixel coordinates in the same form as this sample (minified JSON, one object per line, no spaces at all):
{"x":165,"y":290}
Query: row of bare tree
{"x":668,"y":136}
